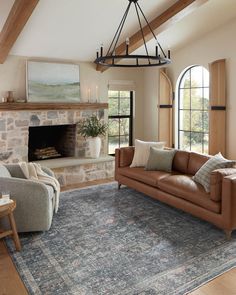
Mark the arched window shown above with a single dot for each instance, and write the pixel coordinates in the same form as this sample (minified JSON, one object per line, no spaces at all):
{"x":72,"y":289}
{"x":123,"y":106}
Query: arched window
{"x":193,"y":115}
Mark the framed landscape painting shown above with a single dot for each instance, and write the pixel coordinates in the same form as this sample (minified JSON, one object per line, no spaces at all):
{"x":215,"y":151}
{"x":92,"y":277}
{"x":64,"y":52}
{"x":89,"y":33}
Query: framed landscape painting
{"x":52,"y":82}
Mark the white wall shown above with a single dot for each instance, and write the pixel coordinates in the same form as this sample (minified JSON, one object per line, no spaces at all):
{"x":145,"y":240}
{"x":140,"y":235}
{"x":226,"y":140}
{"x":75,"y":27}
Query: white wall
{"x":220,"y":43}
{"x":150,"y":99}
{"x":13,"y":77}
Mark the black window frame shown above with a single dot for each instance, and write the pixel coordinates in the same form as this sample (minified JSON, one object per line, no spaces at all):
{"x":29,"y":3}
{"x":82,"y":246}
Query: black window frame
{"x":190,"y":107}
{"x":130,"y":117}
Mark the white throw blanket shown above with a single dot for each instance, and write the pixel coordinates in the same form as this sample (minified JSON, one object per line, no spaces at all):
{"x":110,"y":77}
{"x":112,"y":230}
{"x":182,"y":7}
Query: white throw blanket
{"x":34,"y":171}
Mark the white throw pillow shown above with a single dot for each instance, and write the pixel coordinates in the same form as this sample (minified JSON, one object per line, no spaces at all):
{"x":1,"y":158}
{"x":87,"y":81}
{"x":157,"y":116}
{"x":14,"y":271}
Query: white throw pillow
{"x":142,"y":151}
{"x":203,"y":175}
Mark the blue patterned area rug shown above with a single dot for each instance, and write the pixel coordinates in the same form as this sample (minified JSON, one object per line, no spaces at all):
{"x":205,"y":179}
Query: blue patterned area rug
{"x":105,"y":241}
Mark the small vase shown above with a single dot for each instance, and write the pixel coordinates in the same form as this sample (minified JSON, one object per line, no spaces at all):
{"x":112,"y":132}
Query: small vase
{"x":10,"y":97}
{"x":94,"y":145}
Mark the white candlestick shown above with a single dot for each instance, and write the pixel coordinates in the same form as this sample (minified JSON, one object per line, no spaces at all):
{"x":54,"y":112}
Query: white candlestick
{"x":96,"y":93}
{"x":89,"y":94}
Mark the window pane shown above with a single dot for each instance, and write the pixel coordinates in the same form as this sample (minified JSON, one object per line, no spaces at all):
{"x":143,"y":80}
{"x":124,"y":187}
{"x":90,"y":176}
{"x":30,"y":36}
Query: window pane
{"x":124,"y":126}
{"x":184,"y":140}
{"x":184,"y":101}
{"x":112,"y":93}
{"x":196,"y":99}
{"x":113,"y":143}
{"x":196,"y":77}
{"x":113,"y":107}
{"x":125,"y":94}
{"x":124,"y":106}
{"x":206,"y":98}
{"x":113,"y":127}
{"x":205,"y":78}
{"x":205,"y":142}
{"x":185,"y":82}
{"x":206,"y":121}
{"x":119,"y":132}
{"x":196,"y":121}
{"x":124,"y":141}
{"x":184,"y":120}
{"x":196,"y":142}
{"x":194,"y":124}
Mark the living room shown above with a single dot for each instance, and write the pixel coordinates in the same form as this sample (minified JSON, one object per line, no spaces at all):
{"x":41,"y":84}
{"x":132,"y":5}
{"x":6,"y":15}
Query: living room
{"x":96,"y":238}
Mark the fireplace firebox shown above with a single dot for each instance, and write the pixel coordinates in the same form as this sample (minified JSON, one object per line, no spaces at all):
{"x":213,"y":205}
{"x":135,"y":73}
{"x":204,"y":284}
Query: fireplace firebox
{"x":47,"y":142}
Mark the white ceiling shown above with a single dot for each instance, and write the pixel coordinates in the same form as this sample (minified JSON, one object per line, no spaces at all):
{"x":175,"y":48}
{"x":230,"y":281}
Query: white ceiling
{"x":205,"y":19}
{"x":74,"y":29}
{"x":5,"y":7}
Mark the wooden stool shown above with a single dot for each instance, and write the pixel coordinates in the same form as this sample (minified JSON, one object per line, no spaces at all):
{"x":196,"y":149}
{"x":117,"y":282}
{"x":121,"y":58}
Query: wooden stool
{"x":7,"y":210}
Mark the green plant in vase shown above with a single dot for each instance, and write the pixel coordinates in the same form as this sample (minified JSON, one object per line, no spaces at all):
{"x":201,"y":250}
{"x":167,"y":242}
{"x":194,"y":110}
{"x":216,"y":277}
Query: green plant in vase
{"x":90,"y":129}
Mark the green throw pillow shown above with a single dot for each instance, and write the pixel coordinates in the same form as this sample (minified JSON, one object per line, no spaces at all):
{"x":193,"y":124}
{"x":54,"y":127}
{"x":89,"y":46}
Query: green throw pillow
{"x":160,"y":159}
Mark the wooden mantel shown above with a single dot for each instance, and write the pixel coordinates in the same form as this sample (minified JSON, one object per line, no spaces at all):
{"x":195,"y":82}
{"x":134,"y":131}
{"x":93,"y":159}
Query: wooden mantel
{"x":51,"y":106}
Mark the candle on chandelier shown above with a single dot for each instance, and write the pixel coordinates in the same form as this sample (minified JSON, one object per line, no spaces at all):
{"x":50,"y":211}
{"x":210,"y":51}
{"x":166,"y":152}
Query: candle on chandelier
{"x":127,"y":45}
{"x":101,"y":50}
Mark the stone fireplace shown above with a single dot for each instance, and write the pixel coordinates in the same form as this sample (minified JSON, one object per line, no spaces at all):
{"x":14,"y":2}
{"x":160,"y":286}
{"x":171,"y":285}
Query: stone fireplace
{"x":15,"y":127}
{"x":48,"y":142}
{"x":19,"y":125}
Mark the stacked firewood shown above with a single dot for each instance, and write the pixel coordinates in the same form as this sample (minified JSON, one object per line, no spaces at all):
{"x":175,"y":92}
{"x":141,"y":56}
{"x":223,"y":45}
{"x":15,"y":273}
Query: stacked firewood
{"x":46,"y":153}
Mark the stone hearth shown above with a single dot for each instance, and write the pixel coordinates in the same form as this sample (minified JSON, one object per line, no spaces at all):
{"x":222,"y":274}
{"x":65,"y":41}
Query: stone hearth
{"x":71,"y":170}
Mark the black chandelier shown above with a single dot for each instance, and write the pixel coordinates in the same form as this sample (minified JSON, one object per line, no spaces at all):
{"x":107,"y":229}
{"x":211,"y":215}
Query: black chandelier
{"x":111,"y":59}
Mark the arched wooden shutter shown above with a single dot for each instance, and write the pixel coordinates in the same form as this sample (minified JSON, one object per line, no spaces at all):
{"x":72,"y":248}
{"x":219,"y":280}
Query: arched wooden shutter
{"x":217,"y":112}
{"x":165,"y":105}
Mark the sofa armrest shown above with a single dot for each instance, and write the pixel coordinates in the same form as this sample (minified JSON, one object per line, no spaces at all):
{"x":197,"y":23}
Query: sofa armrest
{"x":229,"y":201}
{"x":217,"y":177}
{"x":124,"y":156}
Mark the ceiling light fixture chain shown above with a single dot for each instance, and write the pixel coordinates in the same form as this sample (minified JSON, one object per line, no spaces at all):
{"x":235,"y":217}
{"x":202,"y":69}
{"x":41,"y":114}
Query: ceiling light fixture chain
{"x":118,"y":32}
{"x":151,"y":30}
{"x":140,"y":25}
{"x":122,"y":57}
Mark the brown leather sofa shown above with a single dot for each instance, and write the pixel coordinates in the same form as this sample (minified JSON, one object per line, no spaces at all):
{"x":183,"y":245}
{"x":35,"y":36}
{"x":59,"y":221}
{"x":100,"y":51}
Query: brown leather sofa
{"x":179,"y":190}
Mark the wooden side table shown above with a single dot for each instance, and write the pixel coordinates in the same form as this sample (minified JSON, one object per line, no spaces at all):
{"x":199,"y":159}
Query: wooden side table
{"x":7,"y":210}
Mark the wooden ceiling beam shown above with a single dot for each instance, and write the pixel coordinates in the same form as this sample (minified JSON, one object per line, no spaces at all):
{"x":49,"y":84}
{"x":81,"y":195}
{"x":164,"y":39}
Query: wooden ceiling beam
{"x":17,"y":18}
{"x":162,"y":22}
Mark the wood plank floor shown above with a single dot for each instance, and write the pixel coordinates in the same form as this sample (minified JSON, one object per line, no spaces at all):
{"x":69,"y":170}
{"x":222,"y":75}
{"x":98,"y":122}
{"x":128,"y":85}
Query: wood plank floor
{"x":222,"y":285}
{"x":11,"y":284}
{"x":10,"y":281}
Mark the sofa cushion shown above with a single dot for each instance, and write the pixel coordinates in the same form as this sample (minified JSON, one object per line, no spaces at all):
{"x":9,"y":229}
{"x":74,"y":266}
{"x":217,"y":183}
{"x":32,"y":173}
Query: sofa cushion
{"x":160,"y":160}
{"x":15,"y":170}
{"x":148,"y":177}
{"x":184,"y":187}
{"x":142,"y":150}
{"x":195,"y":162}
{"x":180,"y":161}
{"x":204,"y":173}
{"x":4,"y":172}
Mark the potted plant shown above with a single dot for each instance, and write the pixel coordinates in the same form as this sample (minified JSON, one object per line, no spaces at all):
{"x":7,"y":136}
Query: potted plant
{"x":90,"y":129}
